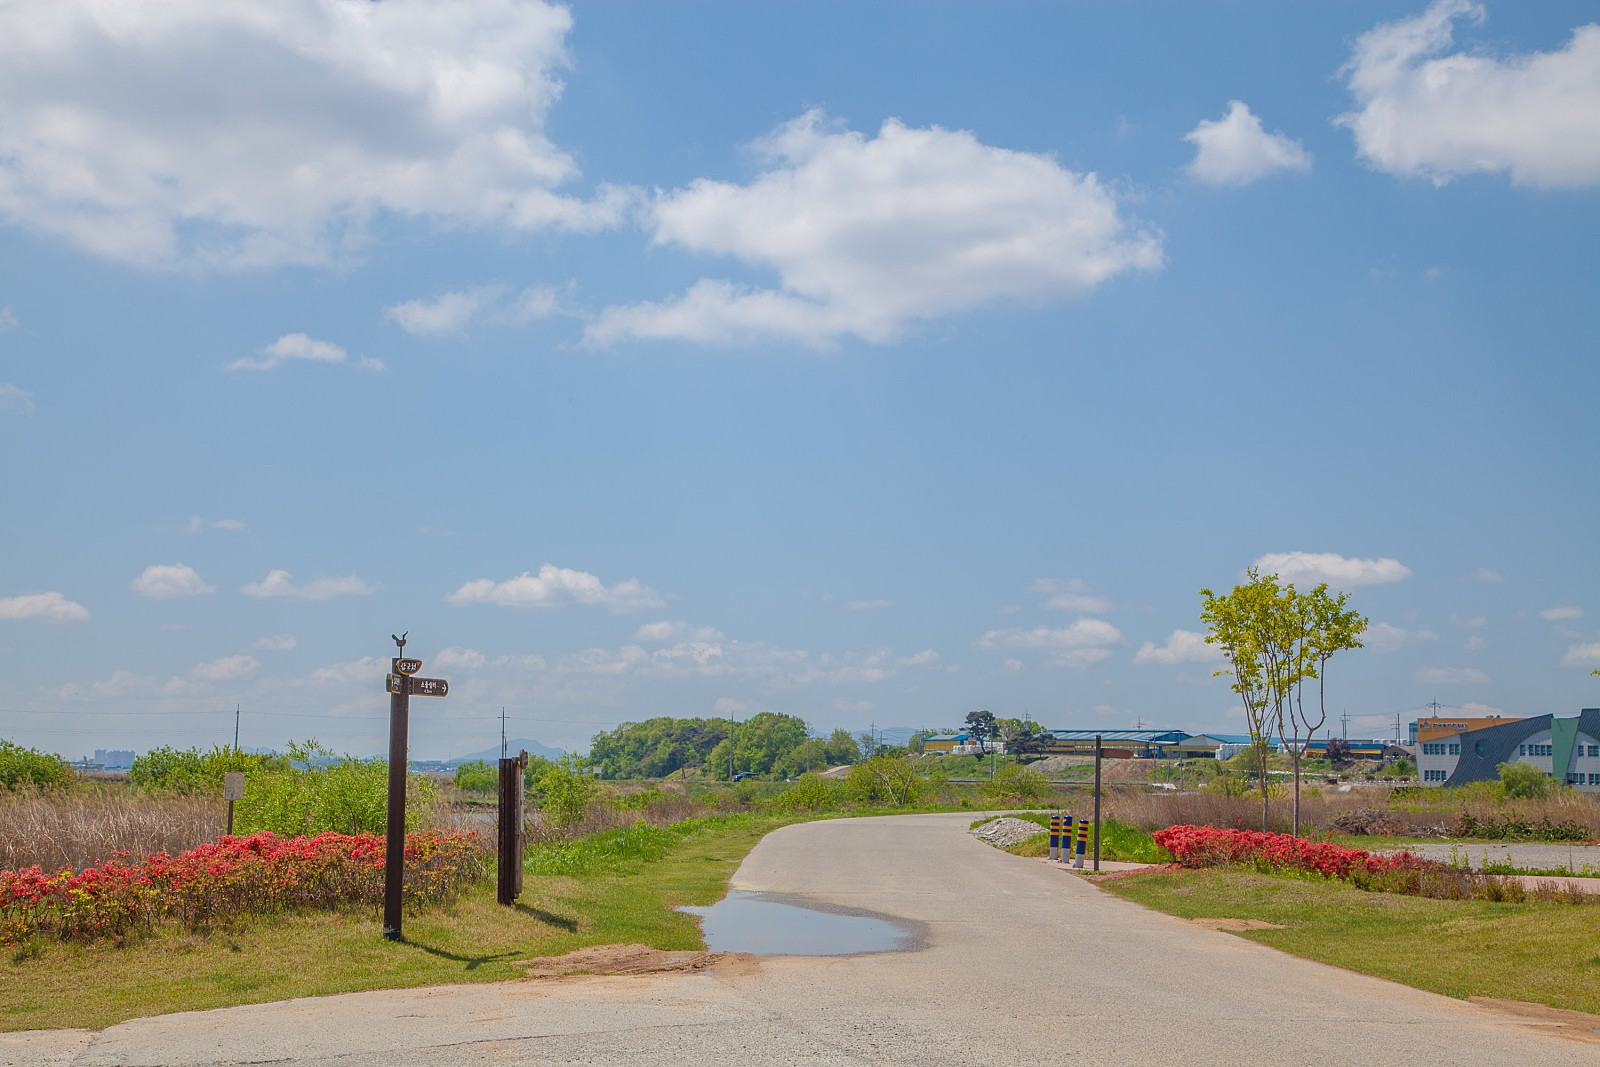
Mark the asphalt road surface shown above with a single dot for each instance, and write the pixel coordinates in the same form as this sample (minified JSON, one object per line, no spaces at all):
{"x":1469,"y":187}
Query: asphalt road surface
{"x":1018,"y":963}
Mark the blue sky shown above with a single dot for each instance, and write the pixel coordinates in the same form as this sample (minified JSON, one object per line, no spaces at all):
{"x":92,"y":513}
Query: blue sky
{"x":869,"y":363}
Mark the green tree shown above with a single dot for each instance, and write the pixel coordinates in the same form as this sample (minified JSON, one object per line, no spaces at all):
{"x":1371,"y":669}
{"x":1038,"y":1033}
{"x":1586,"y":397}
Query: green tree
{"x":21,"y":767}
{"x":1523,"y":780}
{"x":477,"y":776}
{"x":566,"y":787}
{"x":890,"y":780}
{"x":841,"y":748}
{"x":983,"y":727}
{"x":1023,"y":737}
{"x":1276,"y":639}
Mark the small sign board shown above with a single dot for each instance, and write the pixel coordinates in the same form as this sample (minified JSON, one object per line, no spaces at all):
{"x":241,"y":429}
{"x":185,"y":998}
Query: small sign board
{"x":232,"y":785}
{"x":430,"y":687}
{"x":407,"y":666}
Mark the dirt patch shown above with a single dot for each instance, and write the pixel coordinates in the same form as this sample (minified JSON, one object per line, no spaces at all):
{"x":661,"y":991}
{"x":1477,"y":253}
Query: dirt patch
{"x":635,"y":959}
{"x":1234,"y":926}
{"x":1054,"y":765}
{"x":1577,"y":1025}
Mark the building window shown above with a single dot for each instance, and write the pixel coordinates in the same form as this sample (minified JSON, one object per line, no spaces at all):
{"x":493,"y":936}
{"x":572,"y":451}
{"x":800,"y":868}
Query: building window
{"x":1455,"y":749}
{"x":1522,"y":750}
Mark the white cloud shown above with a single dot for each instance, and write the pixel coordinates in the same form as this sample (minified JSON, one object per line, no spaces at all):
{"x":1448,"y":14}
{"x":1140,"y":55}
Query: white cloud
{"x":455,"y":311}
{"x":14,"y":400}
{"x":299,"y":346}
{"x":1336,"y":570}
{"x":258,"y":133}
{"x":554,"y":586}
{"x":1586,"y":655}
{"x":164,"y":581}
{"x":1430,"y":112}
{"x":278,"y":584}
{"x":8,"y":318}
{"x":1452,"y":675}
{"x":1071,"y":595}
{"x":227,"y":669}
{"x":868,"y":605}
{"x":50,"y":607}
{"x":1235,"y":150}
{"x":278,"y":642}
{"x":1484,"y":574}
{"x":1382,"y":637}
{"x":1184,"y":646}
{"x":1476,"y":643}
{"x":659,"y":632}
{"x":1560,"y":614}
{"x":729,"y":706}
{"x":869,"y":236}
{"x":452,"y":659}
{"x":196,"y":524}
{"x":1077,"y":645}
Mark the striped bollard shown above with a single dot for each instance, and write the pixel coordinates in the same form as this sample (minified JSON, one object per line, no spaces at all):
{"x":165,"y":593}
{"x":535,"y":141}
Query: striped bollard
{"x":1055,"y":837}
{"x":1065,"y":853}
{"x":1083,"y":842}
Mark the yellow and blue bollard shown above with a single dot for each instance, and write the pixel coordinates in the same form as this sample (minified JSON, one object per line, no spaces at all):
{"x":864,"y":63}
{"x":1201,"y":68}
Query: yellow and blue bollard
{"x":1055,"y":836}
{"x":1065,"y":852}
{"x":1083,"y":842}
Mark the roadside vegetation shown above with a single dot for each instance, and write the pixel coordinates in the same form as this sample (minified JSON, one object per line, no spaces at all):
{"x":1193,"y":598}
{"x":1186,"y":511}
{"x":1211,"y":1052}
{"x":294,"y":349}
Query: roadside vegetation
{"x":608,"y":857}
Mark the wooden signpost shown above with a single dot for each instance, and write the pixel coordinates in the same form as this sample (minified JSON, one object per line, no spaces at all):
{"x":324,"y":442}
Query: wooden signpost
{"x":401,"y":685}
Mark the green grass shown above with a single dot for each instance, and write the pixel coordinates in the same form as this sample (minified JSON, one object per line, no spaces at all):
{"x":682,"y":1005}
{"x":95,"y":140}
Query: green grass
{"x":1545,"y":953}
{"x":475,"y":940}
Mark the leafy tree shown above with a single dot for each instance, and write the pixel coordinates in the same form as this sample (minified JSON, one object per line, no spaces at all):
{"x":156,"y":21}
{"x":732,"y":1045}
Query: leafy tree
{"x":983,"y":727}
{"x":565,"y":789}
{"x":1523,"y":780}
{"x":841,"y":748}
{"x":888,"y":780}
{"x":1012,"y":783}
{"x":1338,"y":751}
{"x":477,"y":776}
{"x":1276,"y":639}
{"x":657,"y":747}
{"x":1023,"y":737}
{"x":20,"y":767}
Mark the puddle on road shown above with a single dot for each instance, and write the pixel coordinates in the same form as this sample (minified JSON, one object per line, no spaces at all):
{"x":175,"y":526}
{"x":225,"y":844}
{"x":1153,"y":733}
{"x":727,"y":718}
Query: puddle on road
{"x":767,"y":925}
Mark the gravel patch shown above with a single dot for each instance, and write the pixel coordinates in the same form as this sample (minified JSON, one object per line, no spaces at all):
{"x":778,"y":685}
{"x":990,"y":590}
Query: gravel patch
{"x":1006,"y":831}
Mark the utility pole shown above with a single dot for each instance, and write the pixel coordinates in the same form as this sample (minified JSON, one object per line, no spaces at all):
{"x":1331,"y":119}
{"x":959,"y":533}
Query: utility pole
{"x":502,"y":731}
{"x":236,"y":728}
{"x":730,"y":746}
{"x":1344,"y":725}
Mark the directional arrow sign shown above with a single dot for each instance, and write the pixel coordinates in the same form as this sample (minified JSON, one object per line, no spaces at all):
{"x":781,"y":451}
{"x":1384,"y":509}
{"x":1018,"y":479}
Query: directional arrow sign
{"x":429,"y":687}
{"x":407,"y":666}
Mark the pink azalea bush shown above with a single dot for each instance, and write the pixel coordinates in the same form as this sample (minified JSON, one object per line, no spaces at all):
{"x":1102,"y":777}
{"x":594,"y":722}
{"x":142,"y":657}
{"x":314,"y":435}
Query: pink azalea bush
{"x":232,"y":877}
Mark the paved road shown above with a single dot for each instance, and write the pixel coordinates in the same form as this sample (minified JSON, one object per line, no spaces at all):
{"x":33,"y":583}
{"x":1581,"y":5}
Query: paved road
{"x":1579,"y":859}
{"x":1021,"y":963}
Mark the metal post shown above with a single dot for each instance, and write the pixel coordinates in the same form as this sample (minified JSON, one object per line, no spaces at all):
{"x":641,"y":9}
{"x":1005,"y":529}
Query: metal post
{"x":1097,"y":754}
{"x":394,"y":859}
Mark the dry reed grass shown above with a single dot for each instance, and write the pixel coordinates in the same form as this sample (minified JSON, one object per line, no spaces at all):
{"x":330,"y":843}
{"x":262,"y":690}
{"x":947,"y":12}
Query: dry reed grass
{"x":86,"y":826}
{"x":1411,"y":814}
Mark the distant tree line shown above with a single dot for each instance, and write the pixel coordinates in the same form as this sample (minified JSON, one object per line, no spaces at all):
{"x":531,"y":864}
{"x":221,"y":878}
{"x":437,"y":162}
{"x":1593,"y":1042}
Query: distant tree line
{"x":768,"y":744}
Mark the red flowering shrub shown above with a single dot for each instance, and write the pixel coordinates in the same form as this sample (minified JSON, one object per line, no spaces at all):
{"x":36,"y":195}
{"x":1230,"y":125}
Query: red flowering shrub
{"x":235,"y":876}
{"x":1207,"y":846}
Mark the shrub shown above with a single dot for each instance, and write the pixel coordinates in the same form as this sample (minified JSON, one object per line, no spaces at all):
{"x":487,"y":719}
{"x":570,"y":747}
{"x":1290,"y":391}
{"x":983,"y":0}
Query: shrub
{"x":1207,"y":846}
{"x":477,"y":776}
{"x":888,"y":780}
{"x":193,"y":771}
{"x":811,"y":793}
{"x":1013,"y":783}
{"x":347,"y":796}
{"x":565,"y":793}
{"x":1523,"y":781}
{"x":24,"y":767}
{"x":216,"y":884}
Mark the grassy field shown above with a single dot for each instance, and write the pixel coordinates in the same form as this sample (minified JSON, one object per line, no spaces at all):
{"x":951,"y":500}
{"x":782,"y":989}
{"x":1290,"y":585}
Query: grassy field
{"x":1546,"y":953}
{"x":477,"y":940}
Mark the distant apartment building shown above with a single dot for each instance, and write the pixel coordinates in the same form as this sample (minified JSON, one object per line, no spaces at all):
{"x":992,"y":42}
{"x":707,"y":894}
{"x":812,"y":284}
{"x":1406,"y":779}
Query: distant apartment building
{"x":113,"y":758}
{"x":1455,"y":752}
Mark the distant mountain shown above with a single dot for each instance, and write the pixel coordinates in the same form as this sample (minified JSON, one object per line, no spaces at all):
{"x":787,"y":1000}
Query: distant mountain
{"x":513,"y":746}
